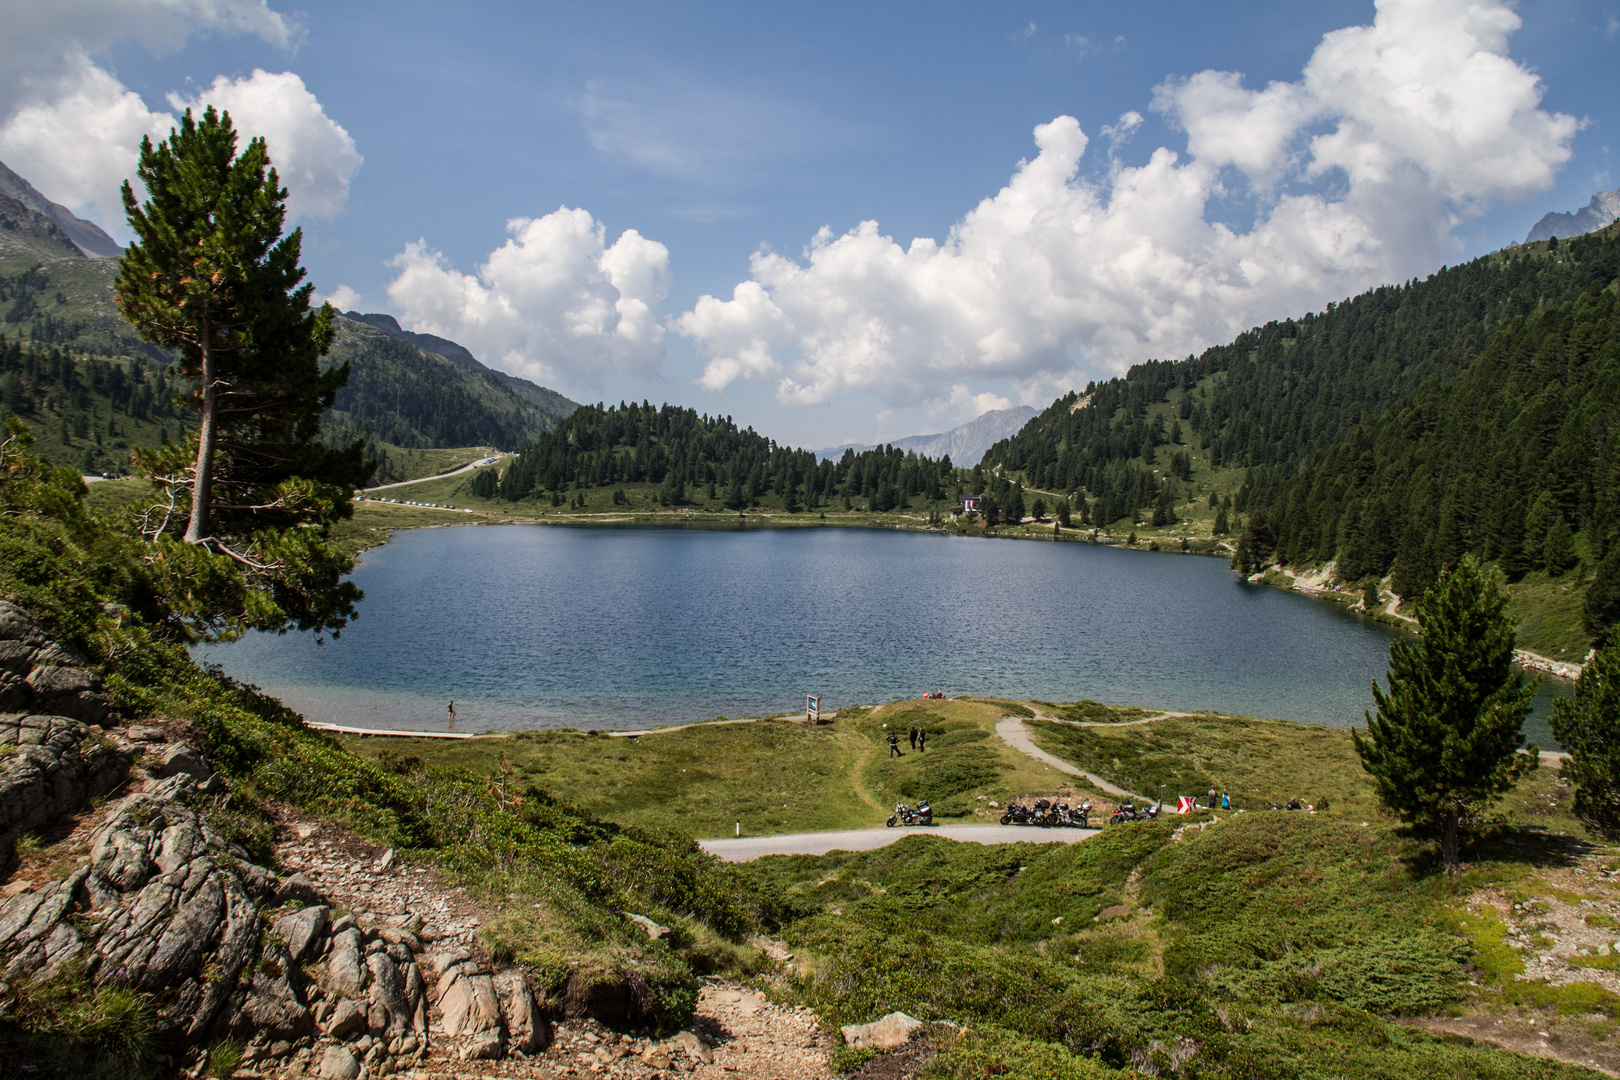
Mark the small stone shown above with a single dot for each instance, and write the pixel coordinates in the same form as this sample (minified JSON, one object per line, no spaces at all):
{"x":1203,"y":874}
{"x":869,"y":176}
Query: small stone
{"x":387,"y":862}
{"x":653,"y":930}
{"x":346,"y":1019}
{"x":884,"y":1034}
{"x":298,"y":888}
{"x":302,"y":929}
{"x":281,"y":1048}
{"x":694,"y":1046}
{"x":654,"y":1057}
{"x":484,"y":1046}
{"x":339,"y":1063}
{"x":179,"y":758}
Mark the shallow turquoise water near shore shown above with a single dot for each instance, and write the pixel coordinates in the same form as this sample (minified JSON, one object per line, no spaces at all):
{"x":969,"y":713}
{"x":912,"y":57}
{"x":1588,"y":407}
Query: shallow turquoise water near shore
{"x":547,"y":626}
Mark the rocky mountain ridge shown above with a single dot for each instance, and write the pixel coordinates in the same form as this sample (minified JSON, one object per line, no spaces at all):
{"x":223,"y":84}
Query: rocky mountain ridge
{"x":965,"y":443}
{"x":86,"y":237}
{"x":1604,"y":209}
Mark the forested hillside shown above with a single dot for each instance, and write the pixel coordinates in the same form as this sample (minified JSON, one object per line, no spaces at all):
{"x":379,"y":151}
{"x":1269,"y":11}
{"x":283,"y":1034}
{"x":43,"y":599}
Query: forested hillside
{"x":1279,"y":393}
{"x":87,"y":411}
{"x":1516,"y":461}
{"x":709,"y":458}
{"x":406,"y":397}
{"x":115,"y":392}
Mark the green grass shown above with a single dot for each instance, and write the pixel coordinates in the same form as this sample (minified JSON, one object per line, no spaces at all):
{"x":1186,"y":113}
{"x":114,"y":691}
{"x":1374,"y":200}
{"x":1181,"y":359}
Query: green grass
{"x":1257,"y":761}
{"x":774,"y":776}
{"x":1549,"y":614}
{"x":1266,"y":945}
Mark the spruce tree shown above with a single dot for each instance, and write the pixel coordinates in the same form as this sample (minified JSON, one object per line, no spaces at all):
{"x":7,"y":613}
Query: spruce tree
{"x":1448,"y":728}
{"x":1558,"y":549}
{"x":1588,"y":726}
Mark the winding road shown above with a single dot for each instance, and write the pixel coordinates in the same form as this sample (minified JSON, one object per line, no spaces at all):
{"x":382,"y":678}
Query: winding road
{"x":480,"y":463}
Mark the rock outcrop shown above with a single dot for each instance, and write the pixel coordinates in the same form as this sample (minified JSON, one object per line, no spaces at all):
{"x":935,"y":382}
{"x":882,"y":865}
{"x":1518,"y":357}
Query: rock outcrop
{"x":37,"y":675}
{"x":49,"y":765}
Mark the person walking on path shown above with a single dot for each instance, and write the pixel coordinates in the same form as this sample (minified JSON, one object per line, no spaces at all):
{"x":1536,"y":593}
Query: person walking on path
{"x":450,"y":714}
{"x":894,"y":746}
{"x":922,"y":739}
{"x":914,"y":736}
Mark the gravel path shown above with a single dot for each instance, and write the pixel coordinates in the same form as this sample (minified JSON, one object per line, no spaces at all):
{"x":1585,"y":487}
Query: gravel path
{"x":1014,"y":734}
{"x":748,"y":848}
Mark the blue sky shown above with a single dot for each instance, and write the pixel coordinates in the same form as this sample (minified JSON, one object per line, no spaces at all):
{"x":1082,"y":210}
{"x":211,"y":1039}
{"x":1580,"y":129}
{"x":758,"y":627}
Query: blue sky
{"x":716,"y":132}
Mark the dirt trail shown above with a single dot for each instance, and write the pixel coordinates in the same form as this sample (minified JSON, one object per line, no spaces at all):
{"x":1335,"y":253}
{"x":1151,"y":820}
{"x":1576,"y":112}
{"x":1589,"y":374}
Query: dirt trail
{"x":736,"y":1033}
{"x":1012,"y":732}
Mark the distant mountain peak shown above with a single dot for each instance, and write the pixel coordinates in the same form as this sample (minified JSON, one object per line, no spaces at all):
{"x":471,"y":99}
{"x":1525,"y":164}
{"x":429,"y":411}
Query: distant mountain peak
{"x":1604,"y":209}
{"x":965,"y":443}
{"x":85,"y":236}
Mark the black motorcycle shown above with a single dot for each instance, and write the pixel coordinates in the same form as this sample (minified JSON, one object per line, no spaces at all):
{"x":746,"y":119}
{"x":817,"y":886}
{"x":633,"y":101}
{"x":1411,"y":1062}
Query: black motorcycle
{"x":1015,"y":814}
{"x":905,"y":815}
{"x":1122,"y":813}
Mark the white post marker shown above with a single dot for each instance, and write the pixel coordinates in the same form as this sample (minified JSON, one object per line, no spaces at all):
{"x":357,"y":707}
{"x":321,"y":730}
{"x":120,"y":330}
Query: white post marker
{"x":739,"y":828}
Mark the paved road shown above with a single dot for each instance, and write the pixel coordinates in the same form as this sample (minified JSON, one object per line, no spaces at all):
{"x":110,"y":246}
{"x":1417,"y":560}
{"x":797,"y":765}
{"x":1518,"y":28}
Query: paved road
{"x":748,"y":848}
{"x":437,"y":476}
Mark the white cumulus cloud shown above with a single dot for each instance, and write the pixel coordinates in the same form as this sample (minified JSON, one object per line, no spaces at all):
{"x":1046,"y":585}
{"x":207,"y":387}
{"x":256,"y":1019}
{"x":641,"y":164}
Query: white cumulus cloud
{"x":555,"y":302}
{"x":343,"y":298}
{"x":314,"y":156}
{"x":1359,"y":170}
{"x":74,"y":130}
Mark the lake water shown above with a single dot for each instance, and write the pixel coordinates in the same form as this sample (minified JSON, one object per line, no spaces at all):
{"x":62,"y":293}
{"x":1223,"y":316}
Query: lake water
{"x":529,"y":626}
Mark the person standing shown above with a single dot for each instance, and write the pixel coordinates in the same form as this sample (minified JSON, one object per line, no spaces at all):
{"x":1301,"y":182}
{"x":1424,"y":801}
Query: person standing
{"x":922,"y":738}
{"x":914,"y":736}
{"x":1226,"y":800}
{"x":450,"y":714}
{"x":1212,"y":797}
{"x":894,"y":746}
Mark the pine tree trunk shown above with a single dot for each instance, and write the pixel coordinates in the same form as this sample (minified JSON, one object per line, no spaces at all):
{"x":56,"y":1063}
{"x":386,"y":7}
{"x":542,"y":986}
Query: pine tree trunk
{"x":202,"y":484}
{"x":1448,"y":841}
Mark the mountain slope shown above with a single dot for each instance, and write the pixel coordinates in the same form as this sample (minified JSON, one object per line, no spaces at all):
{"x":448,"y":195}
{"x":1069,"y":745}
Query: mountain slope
{"x":550,"y":402}
{"x":408,"y":397}
{"x":1282,"y":392}
{"x":86,"y":237}
{"x":1516,"y":461}
{"x":965,"y":443}
{"x":1604,"y":209}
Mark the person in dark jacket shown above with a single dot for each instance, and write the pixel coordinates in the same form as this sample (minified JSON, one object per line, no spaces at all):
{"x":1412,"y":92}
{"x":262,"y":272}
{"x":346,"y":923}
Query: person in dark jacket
{"x":914,"y":736}
{"x":894,"y":746}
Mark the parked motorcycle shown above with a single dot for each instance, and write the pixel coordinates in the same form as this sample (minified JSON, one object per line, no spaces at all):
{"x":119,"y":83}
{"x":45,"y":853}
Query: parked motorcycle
{"x":905,"y":815}
{"x":1015,"y":814}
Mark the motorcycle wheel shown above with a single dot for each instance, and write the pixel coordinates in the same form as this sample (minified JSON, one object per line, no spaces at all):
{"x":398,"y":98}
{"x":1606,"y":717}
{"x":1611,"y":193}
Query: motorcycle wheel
{"x":891,"y":821}
{"x":1005,"y":818}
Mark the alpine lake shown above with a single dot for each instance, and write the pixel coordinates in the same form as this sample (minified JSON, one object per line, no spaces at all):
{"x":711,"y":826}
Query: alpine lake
{"x":546,"y":626}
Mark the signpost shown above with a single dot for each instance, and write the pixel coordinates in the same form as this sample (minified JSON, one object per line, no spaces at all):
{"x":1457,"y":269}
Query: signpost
{"x":812,"y":708}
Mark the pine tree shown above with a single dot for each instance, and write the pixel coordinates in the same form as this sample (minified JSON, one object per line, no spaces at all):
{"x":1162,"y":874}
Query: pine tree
{"x":212,"y":277}
{"x":1558,"y":549}
{"x":1064,"y":515}
{"x":1222,"y":527}
{"x":1448,"y":728}
{"x":1588,"y":727}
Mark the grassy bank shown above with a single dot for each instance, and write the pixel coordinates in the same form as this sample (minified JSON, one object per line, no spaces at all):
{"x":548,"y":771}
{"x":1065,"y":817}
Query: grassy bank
{"x":773,"y":776}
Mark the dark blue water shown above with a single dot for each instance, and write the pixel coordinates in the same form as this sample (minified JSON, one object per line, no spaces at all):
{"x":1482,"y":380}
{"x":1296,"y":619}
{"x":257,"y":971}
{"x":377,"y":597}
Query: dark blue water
{"x":546,"y":626}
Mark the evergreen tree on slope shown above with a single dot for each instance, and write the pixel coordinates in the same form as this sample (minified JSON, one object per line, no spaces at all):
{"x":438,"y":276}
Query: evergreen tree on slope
{"x":1448,"y":728}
